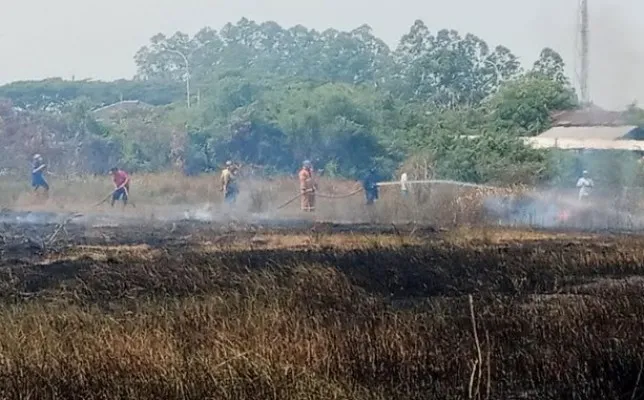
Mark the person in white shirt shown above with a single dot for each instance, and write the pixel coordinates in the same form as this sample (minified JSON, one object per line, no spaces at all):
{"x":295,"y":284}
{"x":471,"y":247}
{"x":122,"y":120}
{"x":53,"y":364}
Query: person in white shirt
{"x":404,"y":189}
{"x":585,"y":184}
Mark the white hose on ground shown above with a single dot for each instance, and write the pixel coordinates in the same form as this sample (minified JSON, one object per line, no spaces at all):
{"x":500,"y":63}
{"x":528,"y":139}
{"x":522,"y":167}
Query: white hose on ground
{"x":448,"y":182}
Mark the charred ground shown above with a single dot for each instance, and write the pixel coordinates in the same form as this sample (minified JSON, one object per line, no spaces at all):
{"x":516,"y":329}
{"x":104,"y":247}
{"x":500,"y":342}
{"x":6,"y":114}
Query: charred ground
{"x":316,"y":311}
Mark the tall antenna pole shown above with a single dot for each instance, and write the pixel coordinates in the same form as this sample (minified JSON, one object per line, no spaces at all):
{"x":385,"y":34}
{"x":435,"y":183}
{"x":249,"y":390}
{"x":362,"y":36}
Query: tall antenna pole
{"x":585,"y":95}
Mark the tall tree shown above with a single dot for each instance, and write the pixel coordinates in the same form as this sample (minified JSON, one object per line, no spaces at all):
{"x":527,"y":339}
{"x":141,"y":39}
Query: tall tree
{"x":159,"y":60}
{"x":357,"y":56}
{"x":524,"y":105}
{"x":273,"y":96}
{"x":551,"y":65}
{"x":449,"y":70}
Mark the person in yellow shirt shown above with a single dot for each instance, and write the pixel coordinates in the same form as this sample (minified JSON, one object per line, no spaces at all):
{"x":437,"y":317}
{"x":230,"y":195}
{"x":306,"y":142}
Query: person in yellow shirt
{"x":308,"y":187}
{"x":229,"y":183}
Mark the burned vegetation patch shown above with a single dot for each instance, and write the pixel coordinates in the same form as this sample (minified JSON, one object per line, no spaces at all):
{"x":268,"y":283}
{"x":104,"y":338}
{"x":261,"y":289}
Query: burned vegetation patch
{"x":196,"y":311}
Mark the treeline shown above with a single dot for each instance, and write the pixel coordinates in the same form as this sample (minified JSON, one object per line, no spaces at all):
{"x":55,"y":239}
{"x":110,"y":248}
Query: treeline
{"x":269,"y":96}
{"x":53,"y":94}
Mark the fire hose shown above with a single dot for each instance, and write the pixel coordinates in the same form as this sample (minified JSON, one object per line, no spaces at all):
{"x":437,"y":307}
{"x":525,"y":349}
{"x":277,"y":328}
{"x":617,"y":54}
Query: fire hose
{"x":324,"y":196}
{"x":335,"y":197}
{"x":397,"y":183}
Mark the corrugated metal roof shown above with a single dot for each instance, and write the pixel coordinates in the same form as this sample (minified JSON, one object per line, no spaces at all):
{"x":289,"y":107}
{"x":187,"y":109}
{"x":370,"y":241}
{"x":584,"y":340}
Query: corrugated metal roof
{"x":580,"y":144}
{"x":589,"y":116}
{"x":588,"y":132}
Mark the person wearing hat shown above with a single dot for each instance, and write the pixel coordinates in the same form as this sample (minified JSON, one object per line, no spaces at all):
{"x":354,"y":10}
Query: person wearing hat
{"x":37,"y":174}
{"x":228,"y":183}
{"x":307,"y":187}
{"x":370,"y":186}
{"x":122,"y":186}
{"x":404,"y":188}
{"x":585,"y":185}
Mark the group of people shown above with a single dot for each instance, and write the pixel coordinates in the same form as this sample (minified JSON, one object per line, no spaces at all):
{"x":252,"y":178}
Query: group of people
{"x":370,"y":185}
{"x":120,"y":178}
{"x":308,"y":185}
{"x":230,"y":189}
{"x":229,"y":185}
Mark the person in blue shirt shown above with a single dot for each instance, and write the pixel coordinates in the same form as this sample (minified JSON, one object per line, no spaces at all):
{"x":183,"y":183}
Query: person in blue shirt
{"x":370,"y":186}
{"x":37,"y":174}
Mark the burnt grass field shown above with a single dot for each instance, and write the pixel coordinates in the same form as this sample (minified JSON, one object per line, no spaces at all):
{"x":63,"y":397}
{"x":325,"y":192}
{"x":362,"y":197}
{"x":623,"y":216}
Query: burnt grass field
{"x":196,"y":311}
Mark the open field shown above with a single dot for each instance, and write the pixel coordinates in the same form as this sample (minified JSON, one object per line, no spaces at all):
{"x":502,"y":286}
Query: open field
{"x":159,"y":194}
{"x":192,"y":310}
{"x":171,"y":196}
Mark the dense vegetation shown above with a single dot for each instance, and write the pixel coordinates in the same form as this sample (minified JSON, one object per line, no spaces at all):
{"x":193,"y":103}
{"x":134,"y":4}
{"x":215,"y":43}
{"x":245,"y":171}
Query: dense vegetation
{"x":271,"y":97}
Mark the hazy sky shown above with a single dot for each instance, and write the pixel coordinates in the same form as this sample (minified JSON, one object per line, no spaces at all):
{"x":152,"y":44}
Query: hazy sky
{"x":97,"y":39}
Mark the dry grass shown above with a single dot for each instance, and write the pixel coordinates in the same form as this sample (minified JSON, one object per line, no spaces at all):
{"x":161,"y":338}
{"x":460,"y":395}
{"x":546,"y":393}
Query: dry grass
{"x":480,"y":235}
{"x":437,"y":204}
{"x":306,"y":315}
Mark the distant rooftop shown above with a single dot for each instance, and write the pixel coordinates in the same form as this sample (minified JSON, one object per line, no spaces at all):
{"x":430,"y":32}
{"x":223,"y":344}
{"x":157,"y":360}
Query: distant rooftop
{"x":593,"y":132}
{"x":589,"y":116}
{"x":584,"y":144}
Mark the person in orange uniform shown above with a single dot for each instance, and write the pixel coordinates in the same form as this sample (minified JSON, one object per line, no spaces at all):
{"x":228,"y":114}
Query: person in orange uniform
{"x":307,"y":187}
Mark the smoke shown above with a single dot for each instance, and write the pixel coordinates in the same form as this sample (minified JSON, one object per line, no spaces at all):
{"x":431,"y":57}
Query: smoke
{"x":557,"y":209}
{"x":527,"y":210}
{"x":187,"y":213}
{"x":30,"y":218}
{"x":616,"y":58}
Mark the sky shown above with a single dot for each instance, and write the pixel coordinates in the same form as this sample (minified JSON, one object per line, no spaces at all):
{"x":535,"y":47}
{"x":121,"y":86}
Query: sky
{"x":98,"y":39}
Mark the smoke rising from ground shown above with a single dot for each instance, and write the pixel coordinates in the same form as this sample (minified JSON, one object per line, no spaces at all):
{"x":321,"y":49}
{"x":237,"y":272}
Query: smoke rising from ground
{"x":546,"y":209}
{"x":558,"y":209}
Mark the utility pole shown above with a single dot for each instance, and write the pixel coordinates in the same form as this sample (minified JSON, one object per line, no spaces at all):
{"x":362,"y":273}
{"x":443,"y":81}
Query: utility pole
{"x":185,"y":59}
{"x":583,"y":84}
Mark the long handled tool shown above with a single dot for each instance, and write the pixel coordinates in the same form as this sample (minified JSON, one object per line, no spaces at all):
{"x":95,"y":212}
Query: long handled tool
{"x":112,"y":193}
{"x":324,"y":196}
{"x":127,"y":194}
{"x":105,"y":199}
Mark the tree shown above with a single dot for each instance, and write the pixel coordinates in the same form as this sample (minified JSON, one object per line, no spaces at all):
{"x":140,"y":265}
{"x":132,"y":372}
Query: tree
{"x":551,"y":66}
{"x":524,"y":106}
{"x":272,"y":96}
{"x":54,"y":94}
{"x":449,"y":70}
{"x":331,"y":56}
{"x":635,"y":114}
{"x":463,"y":153}
{"x":160,"y":61}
